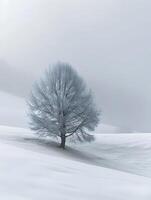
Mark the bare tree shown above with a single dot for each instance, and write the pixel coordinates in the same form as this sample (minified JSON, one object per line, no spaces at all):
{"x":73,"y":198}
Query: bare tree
{"x":62,"y":106}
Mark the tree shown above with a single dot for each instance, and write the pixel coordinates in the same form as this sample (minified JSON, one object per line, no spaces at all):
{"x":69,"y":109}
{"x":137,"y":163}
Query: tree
{"x":61,"y":106}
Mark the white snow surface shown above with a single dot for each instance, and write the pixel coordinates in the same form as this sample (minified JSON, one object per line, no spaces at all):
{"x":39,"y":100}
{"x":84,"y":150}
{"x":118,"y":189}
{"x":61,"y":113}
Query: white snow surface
{"x":34,"y":169}
{"x":105,"y":128}
{"x":12,"y":110}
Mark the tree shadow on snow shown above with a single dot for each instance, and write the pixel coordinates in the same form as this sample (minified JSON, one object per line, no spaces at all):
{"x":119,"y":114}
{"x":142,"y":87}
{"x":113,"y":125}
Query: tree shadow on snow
{"x":52,"y":147}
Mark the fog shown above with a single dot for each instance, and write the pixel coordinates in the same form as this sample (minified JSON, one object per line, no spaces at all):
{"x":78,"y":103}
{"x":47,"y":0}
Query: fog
{"x":108,"y":42}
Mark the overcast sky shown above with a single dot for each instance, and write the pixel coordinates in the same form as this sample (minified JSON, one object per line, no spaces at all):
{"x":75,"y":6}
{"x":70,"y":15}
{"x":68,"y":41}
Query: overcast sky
{"x":107,"y":41}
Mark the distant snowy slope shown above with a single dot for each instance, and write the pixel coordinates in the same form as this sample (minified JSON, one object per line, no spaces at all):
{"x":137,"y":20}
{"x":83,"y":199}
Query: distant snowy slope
{"x":12,"y":110}
{"x":104,"y":128}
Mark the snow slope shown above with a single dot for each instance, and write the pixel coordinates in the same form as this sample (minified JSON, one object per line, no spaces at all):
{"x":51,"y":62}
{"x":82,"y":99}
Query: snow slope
{"x":32,"y":169}
{"x":125,"y":152}
{"x":12,"y":110}
{"x":105,"y":128}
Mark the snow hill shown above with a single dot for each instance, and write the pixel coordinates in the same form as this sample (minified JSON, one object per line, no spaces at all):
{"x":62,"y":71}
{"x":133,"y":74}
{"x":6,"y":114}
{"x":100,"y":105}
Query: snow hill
{"x":12,"y":110}
{"x":35,"y":169}
{"x":105,"y":128}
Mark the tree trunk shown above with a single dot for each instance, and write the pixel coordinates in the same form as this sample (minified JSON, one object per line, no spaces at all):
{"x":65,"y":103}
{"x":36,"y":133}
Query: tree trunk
{"x":62,"y":131}
{"x":63,"y":141}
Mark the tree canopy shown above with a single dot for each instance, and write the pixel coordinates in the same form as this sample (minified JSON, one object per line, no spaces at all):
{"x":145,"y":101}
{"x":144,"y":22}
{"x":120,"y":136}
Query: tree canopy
{"x":62,"y":106}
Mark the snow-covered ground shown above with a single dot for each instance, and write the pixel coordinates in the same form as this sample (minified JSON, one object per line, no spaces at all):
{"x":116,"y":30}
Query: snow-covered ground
{"x":35,"y":169}
{"x":105,"y":128}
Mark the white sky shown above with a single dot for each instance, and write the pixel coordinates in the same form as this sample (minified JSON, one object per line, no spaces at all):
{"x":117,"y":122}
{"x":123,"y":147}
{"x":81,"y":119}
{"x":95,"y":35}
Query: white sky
{"x":108,"y":41}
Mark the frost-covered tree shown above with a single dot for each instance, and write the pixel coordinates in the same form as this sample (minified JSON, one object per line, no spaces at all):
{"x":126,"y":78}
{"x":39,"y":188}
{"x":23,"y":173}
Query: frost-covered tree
{"x":61,"y":106}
